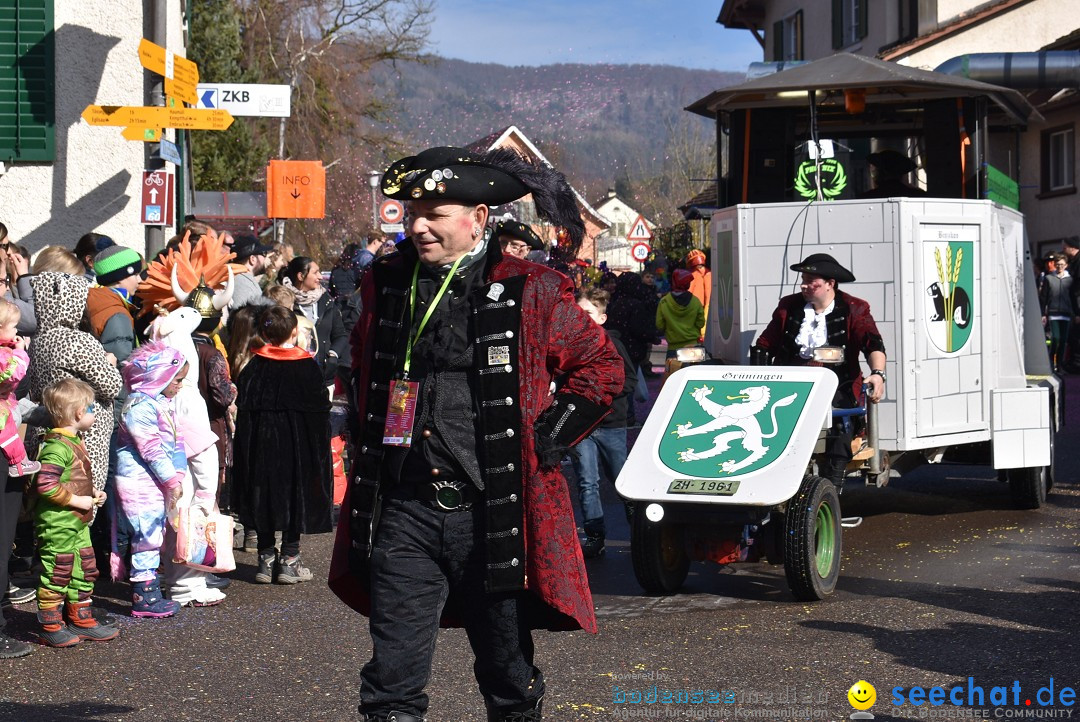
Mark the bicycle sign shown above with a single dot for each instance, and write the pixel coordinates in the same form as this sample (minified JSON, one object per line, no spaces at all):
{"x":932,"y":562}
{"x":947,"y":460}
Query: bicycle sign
{"x":157,"y":198}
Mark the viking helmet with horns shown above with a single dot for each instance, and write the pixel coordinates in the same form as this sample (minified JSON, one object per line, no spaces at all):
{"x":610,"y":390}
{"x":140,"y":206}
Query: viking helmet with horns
{"x":203,"y":298}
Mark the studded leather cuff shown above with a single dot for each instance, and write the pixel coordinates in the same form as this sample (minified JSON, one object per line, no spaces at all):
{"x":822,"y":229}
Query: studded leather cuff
{"x":568,"y":420}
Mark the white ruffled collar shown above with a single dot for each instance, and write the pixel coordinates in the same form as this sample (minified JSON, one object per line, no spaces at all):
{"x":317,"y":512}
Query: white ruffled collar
{"x":812,"y":332}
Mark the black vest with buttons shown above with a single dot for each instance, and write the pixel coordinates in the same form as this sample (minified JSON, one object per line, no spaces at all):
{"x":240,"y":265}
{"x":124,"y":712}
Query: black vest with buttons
{"x":470,"y":404}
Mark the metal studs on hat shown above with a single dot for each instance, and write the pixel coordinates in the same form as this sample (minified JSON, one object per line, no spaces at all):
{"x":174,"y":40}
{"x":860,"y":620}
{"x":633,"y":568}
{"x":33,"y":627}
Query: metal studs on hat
{"x":440,"y":187}
{"x":416,"y":192}
{"x":436,"y":175}
{"x":429,"y":184}
{"x":447,"y":173}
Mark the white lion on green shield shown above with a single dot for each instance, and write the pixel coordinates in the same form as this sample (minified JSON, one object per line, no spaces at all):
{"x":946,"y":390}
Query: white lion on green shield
{"x":754,"y":400}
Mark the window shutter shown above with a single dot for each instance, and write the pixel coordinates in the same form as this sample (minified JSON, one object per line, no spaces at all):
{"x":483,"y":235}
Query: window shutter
{"x":863,"y":10}
{"x":798,"y":36}
{"x":778,"y":41}
{"x":27,"y":87}
{"x":837,"y":25}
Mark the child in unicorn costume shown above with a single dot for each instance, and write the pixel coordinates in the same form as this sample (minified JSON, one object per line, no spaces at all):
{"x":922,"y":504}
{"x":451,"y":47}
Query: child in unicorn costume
{"x":174,"y":329}
{"x":201,"y":266}
{"x":151,"y":464}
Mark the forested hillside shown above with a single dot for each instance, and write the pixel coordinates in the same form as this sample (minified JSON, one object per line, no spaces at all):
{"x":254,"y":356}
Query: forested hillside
{"x":598,"y":123}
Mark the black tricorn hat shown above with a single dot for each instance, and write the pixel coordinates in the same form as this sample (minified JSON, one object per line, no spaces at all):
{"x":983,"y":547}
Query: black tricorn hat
{"x":492,"y":178}
{"x":824,"y":265}
{"x":521,"y":232}
{"x":450,"y":174}
{"x":891,"y":162}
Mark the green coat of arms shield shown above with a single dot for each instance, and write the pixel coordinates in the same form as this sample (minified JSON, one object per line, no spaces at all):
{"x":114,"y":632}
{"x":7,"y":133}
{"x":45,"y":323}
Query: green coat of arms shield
{"x":724,"y":428}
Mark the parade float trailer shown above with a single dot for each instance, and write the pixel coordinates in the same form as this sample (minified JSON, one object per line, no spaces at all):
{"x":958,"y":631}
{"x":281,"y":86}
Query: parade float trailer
{"x":724,"y":468}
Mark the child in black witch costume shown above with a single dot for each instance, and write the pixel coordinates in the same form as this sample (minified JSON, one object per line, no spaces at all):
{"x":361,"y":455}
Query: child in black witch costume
{"x":281,"y":466}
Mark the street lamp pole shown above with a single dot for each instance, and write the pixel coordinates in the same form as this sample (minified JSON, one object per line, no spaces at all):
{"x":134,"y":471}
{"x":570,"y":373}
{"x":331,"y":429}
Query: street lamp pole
{"x":374,"y":178}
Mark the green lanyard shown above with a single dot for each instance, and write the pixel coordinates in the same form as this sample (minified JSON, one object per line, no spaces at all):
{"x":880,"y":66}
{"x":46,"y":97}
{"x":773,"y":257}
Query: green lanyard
{"x":427,"y":314}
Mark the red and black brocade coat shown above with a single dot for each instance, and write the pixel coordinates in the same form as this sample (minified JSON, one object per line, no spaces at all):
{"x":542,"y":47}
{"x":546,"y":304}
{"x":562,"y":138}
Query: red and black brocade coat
{"x":849,"y":325}
{"x":532,"y":539}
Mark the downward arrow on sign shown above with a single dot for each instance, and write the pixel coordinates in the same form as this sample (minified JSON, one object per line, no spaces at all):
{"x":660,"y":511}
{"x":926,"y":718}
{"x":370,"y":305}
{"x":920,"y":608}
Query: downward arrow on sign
{"x":295,"y":193}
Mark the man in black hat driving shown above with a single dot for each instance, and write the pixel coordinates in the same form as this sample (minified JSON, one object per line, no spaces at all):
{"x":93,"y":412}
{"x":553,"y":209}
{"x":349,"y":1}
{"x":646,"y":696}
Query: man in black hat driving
{"x":457,"y":514}
{"x":823,"y":315}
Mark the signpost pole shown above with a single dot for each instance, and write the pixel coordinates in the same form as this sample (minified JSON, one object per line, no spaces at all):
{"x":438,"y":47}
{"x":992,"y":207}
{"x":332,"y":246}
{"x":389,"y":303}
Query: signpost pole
{"x":155,"y":235}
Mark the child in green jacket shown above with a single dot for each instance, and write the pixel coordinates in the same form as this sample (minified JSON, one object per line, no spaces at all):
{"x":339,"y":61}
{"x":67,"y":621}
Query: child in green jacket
{"x":62,"y":512}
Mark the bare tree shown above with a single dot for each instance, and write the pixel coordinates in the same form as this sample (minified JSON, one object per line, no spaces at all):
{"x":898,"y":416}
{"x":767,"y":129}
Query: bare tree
{"x":323,"y":49}
{"x":689,"y":165}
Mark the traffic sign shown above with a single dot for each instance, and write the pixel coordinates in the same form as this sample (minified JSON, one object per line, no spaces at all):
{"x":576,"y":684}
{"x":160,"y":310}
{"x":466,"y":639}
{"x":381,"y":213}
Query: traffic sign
{"x":146,"y":135}
{"x":247,"y":99}
{"x":640,"y":252}
{"x":168,"y":152}
{"x":157,"y":198}
{"x":391,"y":211}
{"x":639,"y":231}
{"x":181,"y":75}
{"x":296,"y":189}
{"x":155,"y":117}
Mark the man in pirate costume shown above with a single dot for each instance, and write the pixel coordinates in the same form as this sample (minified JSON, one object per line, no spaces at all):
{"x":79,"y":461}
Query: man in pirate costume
{"x":823,"y":315}
{"x":457,"y":513}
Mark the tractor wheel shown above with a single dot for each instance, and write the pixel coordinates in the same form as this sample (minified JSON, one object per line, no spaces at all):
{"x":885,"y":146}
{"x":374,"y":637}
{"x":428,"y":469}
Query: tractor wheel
{"x":1028,"y":486}
{"x":658,"y":553}
{"x":813,"y":540}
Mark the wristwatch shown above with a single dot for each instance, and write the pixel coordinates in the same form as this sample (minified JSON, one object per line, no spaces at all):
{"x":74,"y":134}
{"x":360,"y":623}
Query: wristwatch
{"x":879,"y":372}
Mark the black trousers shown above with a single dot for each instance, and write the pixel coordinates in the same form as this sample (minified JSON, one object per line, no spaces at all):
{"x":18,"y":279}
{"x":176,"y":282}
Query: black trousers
{"x":11,"y":492}
{"x":421,"y":558}
{"x":838,"y":449}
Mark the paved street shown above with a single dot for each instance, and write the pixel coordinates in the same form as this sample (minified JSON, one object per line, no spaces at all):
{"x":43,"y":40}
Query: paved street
{"x":943,"y":581}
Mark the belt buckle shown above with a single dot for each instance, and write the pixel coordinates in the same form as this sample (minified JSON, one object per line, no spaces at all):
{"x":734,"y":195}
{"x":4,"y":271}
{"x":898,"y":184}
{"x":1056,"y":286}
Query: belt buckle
{"x":448,"y":496}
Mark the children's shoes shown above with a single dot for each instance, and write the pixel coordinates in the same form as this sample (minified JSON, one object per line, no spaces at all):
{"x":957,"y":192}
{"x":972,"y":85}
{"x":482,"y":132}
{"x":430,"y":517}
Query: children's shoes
{"x":289,"y":570}
{"x":81,"y":622}
{"x":54,"y":632}
{"x":146,"y":600}
{"x":267,"y":562}
{"x":24,"y":468}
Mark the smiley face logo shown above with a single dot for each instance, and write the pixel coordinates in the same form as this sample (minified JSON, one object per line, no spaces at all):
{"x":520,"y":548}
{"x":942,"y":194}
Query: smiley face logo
{"x":862,"y":695}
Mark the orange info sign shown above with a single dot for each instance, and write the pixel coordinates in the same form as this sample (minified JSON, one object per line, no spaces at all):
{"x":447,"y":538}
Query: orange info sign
{"x":296,"y":189}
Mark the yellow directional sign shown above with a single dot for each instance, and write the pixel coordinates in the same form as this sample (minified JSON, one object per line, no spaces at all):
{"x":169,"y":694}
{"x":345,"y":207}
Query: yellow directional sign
{"x":181,"y":75}
{"x":154,"y":117}
{"x":147,"y":135}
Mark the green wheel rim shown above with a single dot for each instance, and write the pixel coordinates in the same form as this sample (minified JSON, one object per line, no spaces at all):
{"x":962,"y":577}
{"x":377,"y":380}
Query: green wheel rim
{"x":824,"y":539}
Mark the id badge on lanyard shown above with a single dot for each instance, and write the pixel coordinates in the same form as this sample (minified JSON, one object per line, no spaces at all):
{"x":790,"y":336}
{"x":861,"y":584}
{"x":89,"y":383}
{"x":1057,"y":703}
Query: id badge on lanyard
{"x":401,"y":407}
{"x":400,"y":413}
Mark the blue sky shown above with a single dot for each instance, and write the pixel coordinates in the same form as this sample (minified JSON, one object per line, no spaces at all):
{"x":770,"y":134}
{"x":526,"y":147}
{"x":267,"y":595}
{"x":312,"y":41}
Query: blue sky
{"x":542,"y":32}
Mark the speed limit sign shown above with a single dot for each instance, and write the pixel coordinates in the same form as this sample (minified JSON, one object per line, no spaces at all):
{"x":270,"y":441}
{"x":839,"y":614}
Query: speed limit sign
{"x":640,"y":252}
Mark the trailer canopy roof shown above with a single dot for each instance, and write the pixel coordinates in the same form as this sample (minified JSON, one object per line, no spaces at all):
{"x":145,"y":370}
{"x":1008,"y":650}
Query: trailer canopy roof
{"x":883,"y":82}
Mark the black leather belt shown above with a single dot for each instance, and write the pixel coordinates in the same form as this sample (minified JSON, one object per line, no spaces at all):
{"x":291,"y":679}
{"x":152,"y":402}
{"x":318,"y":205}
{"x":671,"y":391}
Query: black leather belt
{"x":446,"y":495}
